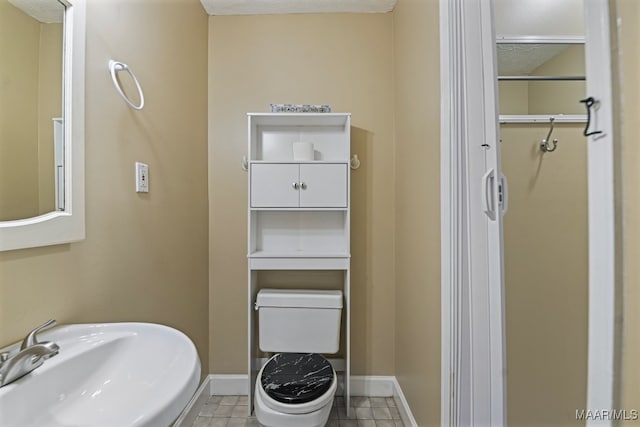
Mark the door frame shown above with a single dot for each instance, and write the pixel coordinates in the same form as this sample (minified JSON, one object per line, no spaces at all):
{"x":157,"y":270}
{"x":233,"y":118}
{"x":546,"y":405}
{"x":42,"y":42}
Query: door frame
{"x":604,"y":258}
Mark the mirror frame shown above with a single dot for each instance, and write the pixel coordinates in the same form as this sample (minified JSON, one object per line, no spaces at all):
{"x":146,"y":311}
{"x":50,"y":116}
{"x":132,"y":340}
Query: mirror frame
{"x":68,"y":225}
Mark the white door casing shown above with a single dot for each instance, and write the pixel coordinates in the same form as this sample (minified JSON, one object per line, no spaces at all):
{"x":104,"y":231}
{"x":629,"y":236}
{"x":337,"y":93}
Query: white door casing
{"x":602,"y":361}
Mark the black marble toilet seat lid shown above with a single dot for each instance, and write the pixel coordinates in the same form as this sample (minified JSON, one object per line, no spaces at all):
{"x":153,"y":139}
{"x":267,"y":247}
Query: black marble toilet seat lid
{"x":296,"y":377}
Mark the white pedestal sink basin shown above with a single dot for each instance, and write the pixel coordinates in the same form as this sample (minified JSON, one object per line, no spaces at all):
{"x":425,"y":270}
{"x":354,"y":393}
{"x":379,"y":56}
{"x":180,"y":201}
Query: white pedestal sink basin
{"x":105,"y":375}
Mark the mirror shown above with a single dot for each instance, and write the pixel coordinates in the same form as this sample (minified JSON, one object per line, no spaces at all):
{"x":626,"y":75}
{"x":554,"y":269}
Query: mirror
{"x":31,"y":133}
{"x":41,"y":122}
{"x":541,"y":78}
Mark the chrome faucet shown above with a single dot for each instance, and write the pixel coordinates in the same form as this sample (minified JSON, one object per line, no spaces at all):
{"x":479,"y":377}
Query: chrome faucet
{"x":31,"y":355}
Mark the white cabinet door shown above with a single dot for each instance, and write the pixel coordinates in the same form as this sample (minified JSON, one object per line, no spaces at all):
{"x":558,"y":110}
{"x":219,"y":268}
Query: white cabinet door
{"x":323,"y":186}
{"x":274,"y":185}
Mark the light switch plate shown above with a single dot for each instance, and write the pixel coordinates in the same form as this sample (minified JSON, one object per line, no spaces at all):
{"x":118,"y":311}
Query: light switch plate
{"x":142,"y":178}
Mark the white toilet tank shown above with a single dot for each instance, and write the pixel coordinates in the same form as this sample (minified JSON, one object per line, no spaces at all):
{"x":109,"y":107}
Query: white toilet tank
{"x":299,"y":321}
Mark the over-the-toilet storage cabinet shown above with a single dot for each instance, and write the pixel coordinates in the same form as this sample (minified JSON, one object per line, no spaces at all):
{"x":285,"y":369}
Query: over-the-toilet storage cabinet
{"x":298,"y":211}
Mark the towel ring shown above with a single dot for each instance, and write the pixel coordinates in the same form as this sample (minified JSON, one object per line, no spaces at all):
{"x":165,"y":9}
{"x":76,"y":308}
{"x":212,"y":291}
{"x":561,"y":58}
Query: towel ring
{"x":115,"y":66}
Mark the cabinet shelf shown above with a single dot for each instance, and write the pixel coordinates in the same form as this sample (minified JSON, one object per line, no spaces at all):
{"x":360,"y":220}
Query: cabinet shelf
{"x":303,"y":209}
{"x":298,"y":263}
{"x":298,"y":212}
{"x":300,"y":119}
{"x":298,"y":254}
{"x":299,"y":162}
{"x":272,"y":136}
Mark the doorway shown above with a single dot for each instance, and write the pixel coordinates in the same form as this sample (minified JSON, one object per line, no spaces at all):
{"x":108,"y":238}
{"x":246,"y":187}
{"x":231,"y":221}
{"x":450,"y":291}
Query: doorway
{"x":468,"y":27}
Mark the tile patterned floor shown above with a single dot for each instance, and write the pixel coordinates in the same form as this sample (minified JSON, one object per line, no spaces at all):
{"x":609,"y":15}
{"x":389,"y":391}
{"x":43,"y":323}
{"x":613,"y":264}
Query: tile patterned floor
{"x":231,"y":411}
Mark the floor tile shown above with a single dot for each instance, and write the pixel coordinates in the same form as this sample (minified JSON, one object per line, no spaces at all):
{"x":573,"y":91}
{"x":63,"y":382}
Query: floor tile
{"x":364,"y":414}
{"x":342,"y":413}
{"x":215,"y":399}
{"x":360,"y":402}
{"x":253,"y":422}
{"x":229,"y":400}
{"x":202,"y":422}
{"x":395,"y":414}
{"x":240,"y":411}
{"x":208,"y":410}
{"x":378,"y":402}
{"x":333,"y":415}
{"x":232,"y":411}
{"x":223,"y":411}
{"x":237,"y":422}
{"x":381,"y":413}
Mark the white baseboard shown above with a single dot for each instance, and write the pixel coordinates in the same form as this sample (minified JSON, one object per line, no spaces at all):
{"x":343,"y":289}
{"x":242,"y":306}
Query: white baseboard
{"x":403,"y":405}
{"x":229,"y":385}
{"x":369,"y":385}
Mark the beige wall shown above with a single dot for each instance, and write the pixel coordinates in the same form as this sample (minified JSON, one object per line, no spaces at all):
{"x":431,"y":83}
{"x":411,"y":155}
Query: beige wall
{"x":344,"y":60}
{"x":546,"y":274}
{"x":628,"y":15}
{"x":548,"y":97}
{"x":19,"y":47}
{"x":49,"y":106}
{"x":513,"y":97}
{"x":145,"y":256}
{"x":417,"y":125}
{"x":559,"y":97}
{"x":31,"y":97}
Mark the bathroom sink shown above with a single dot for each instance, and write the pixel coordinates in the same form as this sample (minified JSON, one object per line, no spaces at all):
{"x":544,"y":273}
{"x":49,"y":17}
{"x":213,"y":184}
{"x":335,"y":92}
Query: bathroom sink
{"x":105,"y":375}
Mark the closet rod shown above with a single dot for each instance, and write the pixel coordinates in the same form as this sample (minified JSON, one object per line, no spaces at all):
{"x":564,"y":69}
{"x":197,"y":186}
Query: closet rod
{"x":545,"y":78}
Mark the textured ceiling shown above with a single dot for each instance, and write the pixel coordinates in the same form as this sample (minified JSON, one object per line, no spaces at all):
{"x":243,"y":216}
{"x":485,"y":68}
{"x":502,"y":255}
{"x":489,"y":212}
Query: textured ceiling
{"x":268,"y":7}
{"x":46,"y":11}
{"x":522,"y":59}
{"x":534,"y":18}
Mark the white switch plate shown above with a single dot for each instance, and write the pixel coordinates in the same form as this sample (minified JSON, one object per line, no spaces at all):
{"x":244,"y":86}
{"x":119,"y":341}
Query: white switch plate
{"x":142,"y":178}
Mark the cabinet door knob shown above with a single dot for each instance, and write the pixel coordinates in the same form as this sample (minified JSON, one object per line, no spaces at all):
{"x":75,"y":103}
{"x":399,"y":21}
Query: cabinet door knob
{"x":296,"y":186}
{"x":303,"y":185}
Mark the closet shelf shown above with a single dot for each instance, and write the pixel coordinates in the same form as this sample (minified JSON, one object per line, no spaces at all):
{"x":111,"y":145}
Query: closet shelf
{"x":544,"y":119}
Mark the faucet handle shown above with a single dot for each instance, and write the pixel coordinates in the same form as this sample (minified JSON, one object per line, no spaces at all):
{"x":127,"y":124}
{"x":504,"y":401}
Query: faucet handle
{"x":32,"y":338}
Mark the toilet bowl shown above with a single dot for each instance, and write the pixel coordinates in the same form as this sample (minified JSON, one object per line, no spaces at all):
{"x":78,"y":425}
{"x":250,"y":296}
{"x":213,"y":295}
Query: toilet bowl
{"x":295,"y":390}
{"x":296,"y":386}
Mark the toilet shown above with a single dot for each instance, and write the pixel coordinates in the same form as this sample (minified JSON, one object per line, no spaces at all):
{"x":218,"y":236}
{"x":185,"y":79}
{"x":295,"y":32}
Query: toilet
{"x":296,"y":386}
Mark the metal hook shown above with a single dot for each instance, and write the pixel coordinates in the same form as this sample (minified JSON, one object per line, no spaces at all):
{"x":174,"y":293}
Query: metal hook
{"x":589,"y":102}
{"x":544,"y":144}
